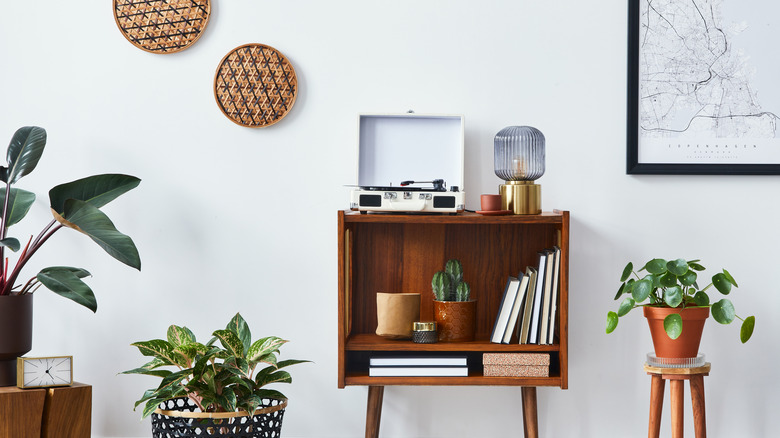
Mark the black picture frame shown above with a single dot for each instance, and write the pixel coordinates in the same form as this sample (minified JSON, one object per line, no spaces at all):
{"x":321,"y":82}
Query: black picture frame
{"x":633,"y":166}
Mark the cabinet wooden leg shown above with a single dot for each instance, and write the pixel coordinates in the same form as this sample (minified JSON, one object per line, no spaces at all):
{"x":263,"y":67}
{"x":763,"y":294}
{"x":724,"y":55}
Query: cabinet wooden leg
{"x":530,"y":423}
{"x":374,"y":410}
{"x":697,"y":401}
{"x":657,"y":386}
{"x":676,"y":388}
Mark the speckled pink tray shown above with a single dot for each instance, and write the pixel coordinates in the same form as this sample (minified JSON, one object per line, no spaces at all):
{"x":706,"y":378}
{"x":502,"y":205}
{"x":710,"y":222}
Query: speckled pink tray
{"x":516,"y":359}
{"x":516,"y":371}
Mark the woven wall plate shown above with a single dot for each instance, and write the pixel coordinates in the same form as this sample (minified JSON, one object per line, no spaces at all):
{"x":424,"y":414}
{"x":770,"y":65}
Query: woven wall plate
{"x":255,"y":85}
{"x":162,"y":26}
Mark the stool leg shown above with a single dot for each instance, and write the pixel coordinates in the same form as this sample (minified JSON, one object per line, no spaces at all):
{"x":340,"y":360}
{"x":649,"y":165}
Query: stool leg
{"x":657,"y":385}
{"x":697,"y":401}
{"x":676,"y":389}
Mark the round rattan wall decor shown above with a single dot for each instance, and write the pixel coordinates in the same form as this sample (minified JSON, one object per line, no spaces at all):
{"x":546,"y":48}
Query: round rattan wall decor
{"x":162,"y":26}
{"x":255,"y":85}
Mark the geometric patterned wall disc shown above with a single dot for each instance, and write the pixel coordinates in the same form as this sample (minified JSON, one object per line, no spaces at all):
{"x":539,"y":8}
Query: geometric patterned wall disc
{"x":162,"y":26}
{"x":255,"y":85}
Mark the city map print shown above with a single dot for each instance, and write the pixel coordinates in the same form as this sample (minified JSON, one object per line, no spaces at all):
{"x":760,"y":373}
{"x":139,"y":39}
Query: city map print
{"x":699,"y":100}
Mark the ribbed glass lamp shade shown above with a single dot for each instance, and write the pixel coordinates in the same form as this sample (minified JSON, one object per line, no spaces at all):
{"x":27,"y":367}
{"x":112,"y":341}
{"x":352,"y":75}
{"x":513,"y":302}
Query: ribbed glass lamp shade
{"x":518,"y":153}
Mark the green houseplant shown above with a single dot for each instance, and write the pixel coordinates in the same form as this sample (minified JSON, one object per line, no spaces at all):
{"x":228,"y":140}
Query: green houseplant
{"x":672,"y":287}
{"x":74,"y":205}
{"x":227,"y":376}
{"x":454,"y":310}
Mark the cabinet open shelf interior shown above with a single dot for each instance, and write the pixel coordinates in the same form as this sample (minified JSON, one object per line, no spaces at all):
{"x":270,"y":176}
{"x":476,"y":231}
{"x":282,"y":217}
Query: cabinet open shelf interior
{"x":400,"y":253}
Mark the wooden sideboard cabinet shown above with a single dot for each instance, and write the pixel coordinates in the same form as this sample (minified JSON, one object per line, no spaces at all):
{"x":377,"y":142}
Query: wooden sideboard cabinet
{"x":401,"y":252}
{"x":59,"y":412}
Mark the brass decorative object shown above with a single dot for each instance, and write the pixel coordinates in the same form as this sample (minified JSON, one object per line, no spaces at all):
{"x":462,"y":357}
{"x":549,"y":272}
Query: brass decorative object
{"x":162,"y":26}
{"x":255,"y":85}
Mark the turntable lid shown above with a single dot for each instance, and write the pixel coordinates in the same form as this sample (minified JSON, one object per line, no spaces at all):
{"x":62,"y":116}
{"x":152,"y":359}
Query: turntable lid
{"x":395,"y":148}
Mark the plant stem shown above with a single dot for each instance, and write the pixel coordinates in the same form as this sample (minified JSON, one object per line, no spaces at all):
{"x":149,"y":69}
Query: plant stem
{"x":25,"y":256}
{"x":3,"y":231}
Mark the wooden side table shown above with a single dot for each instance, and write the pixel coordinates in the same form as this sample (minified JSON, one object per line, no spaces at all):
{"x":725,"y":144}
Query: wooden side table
{"x":61,"y":412}
{"x":677,"y":378}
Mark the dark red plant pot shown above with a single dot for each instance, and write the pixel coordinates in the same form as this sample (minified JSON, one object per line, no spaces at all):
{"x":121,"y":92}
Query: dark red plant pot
{"x":456,"y":320}
{"x":16,"y":323}
{"x":687,"y":344}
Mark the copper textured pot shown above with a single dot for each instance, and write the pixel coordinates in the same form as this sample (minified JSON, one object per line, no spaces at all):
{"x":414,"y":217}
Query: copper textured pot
{"x":15,"y":333}
{"x":687,"y":344}
{"x":456,"y":320}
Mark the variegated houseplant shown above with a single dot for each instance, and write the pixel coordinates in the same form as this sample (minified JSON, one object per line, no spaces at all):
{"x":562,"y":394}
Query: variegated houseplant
{"x":227,"y":374}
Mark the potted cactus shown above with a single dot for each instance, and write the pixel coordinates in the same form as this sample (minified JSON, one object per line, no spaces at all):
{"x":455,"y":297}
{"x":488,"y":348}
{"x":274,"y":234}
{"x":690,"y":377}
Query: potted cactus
{"x":454,"y":310}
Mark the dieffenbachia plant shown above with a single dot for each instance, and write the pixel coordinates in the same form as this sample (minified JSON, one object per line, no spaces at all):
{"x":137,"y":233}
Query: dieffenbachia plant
{"x":674,"y":284}
{"x":74,"y":205}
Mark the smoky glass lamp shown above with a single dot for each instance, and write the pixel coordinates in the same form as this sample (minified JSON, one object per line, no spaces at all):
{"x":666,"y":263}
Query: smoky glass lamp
{"x":519,"y":161}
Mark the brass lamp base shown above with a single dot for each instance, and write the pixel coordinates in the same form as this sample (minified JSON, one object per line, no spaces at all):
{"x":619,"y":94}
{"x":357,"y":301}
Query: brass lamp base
{"x":521,"y":197}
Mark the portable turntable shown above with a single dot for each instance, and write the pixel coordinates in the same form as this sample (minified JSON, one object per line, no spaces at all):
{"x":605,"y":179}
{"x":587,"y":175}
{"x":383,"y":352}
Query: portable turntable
{"x":398,"y":157}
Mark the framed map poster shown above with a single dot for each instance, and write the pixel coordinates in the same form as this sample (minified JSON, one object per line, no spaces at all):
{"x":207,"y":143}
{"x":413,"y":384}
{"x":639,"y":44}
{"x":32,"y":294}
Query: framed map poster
{"x":702,"y":93}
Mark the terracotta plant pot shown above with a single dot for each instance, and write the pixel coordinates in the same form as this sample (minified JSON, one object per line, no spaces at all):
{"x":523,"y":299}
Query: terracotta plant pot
{"x":687,"y":344}
{"x":15,"y":333}
{"x":456,"y":320}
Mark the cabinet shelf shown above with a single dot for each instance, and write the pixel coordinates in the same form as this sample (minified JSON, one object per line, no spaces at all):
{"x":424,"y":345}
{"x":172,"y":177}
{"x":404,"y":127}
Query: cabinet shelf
{"x":401,"y":252}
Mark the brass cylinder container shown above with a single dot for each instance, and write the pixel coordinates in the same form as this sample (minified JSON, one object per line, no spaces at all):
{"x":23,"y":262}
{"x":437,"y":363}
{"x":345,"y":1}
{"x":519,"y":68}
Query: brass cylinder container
{"x":521,"y":197}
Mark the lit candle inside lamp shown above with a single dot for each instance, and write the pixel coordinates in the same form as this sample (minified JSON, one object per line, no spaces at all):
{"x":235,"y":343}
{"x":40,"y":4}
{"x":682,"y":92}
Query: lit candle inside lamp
{"x":518,"y":164}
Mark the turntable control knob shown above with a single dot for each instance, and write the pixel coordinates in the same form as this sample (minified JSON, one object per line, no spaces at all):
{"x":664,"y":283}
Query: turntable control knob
{"x":454,"y":188}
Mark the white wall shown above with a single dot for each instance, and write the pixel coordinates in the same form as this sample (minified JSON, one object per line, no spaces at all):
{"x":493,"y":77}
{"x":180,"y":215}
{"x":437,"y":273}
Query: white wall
{"x":234,"y":219}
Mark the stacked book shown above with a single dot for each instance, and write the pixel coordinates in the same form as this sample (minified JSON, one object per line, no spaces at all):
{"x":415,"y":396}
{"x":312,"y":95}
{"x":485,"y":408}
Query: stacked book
{"x":418,"y":366}
{"x":530,"y":303}
{"x":516,"y":364}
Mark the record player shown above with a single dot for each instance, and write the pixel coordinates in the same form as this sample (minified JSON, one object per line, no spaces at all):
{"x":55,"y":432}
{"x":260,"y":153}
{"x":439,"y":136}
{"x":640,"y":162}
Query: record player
{"x":411,"y":149}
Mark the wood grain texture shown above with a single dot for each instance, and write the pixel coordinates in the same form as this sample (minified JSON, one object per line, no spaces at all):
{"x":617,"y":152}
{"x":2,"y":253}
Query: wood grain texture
{"x":21,"y":411}
{"x":657,"y":385}
{"x":67,"y":412}
{"x":530,"y":417}
{"x":374,"y":410}
{"x":676,"y":388}
{"x":697,"y":402}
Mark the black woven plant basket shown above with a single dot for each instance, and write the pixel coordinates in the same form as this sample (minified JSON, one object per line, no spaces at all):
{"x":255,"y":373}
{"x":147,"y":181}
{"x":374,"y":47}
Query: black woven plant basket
{"x":177,"y":418}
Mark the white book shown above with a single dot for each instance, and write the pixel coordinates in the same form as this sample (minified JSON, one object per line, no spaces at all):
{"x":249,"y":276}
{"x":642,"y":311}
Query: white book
{"x":554,"y":299}
{"x":525,"y":325}
{"x":505,"y":309}
{"x":533,"y":334}
{"x":544,"y":323}
{"x":513,"y":317}
{"x":418,"y":372}
{"x":418,"y":361}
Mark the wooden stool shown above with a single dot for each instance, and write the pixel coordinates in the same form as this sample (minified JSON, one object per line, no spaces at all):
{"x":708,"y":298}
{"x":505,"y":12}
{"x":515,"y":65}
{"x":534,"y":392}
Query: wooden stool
{"x":676,"y":378}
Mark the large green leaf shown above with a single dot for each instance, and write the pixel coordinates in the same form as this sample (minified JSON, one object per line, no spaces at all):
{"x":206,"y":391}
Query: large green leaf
{"x":668,"y":280}
{"x":746,"y":331}
{"x":673,"y":296}
{"x":701,"y":299}
{"x":673,"y":325}
{"x":627,"y":271}
{"x":730,"y":278}
{"x":238,"y":325}
{"x":66,"y":281}
{"x":88,"y":219}
{"x":18,"y":204}
{"x":721,"y":283}
{"x":723,"y":311}
{"x":620,"y":290}
{"x":677,"y":267}
{"x":689,"y":279}
{"x":156,"y":373}
{"x":641,"y":290}
{"x":612,"y":322}
{"x":656,"y":266}
{"x":97,"y":190}
{"x":23,"y":153}
{"x":274,"y":377}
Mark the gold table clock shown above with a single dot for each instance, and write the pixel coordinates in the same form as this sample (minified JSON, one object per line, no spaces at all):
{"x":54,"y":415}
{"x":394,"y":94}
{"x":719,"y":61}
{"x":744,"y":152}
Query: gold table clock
{"x":44,"y":372}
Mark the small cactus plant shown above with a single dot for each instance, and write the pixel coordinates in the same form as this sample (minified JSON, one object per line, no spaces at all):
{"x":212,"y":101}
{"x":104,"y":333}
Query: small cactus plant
{"x":448,"y":285}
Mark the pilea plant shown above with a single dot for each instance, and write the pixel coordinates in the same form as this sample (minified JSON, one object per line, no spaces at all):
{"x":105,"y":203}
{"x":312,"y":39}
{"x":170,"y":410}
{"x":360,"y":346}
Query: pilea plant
{"x":675,"y":284}
{"x":448,"y":285}
{"x":216,"y":379}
